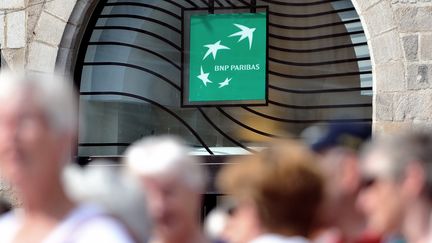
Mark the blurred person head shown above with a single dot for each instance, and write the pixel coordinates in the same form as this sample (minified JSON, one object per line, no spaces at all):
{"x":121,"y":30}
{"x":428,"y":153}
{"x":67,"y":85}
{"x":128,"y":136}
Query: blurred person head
{"x":338,"y":150}
{"x":276,"y":191}
{"x":337,"y":146}
{"x":38,"y":124}
{"x":397,"y":184}
{"x":174,"y":182}
{"x":340,"y":167}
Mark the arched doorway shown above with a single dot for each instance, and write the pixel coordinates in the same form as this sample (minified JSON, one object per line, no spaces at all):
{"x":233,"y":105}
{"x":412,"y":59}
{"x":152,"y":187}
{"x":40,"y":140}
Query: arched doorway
{"x":129,"y":76}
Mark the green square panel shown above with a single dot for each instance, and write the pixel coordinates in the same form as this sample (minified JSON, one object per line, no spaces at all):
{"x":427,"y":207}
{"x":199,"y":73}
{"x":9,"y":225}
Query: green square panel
{"x":228,"y":58}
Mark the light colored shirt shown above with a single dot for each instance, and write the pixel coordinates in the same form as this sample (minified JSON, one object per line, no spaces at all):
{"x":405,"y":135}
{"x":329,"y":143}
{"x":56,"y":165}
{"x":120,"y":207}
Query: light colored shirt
{"x":274,"y":238}
{"x":85,"y":224}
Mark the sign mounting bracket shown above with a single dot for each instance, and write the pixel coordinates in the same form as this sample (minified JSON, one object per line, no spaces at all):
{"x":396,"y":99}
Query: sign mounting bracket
{"x":211,"y":6}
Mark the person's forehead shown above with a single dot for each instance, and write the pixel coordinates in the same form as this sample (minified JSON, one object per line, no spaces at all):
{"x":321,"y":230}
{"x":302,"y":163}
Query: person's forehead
{"x":162,"y":180}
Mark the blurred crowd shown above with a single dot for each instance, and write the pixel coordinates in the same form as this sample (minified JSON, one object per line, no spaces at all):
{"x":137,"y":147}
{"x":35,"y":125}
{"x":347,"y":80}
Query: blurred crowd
{"x":333,"y":185}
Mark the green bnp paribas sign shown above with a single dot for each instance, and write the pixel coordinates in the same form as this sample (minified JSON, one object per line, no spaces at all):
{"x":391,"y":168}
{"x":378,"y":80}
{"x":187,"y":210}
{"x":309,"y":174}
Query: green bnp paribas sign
{"x":228,"y":58}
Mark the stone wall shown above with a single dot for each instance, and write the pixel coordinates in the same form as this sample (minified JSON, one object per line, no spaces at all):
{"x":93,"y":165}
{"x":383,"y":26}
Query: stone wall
{"x":399,"y":36}
{"x":413,"y":104}
{"x":402,"y":70}
{"x":13,"y":15}
{"x":34,"y":32}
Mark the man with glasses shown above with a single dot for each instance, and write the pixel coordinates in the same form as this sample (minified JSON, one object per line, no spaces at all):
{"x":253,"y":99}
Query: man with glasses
{"x":397,"y":187}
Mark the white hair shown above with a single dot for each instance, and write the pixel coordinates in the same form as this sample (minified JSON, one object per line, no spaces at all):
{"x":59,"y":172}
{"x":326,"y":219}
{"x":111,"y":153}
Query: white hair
{"x":53,"y":94}
{"x":162,"y":155}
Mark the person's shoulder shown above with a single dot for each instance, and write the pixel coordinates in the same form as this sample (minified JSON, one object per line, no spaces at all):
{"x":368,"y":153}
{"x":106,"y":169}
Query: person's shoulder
{"x":98,"y":226}
{"x":8,"y":226}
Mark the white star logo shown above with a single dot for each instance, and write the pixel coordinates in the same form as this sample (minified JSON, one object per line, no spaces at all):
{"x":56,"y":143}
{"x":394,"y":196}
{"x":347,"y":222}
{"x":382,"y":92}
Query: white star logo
{"x":224,"y":83}
{"x":214,"y":48}
{"x":204,"y":77}
{"x":245,"y":32}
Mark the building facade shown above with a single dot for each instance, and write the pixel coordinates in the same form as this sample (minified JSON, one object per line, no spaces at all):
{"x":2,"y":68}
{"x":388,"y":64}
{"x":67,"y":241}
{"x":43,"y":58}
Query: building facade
{"x":48,"y":35}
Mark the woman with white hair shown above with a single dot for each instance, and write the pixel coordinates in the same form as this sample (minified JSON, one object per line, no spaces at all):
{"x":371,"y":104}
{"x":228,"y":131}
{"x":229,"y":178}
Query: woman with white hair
{"x":38,"y":127}
{"x":174,"y":182}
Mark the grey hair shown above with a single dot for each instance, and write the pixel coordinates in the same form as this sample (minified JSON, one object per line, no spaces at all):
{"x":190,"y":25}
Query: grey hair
{"x":402,"y":149}
{"x":53,"y":94}
{"x":160,"y":155}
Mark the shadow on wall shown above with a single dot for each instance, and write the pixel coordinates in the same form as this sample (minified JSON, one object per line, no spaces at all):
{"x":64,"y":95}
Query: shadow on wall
{"x":3,"y":63}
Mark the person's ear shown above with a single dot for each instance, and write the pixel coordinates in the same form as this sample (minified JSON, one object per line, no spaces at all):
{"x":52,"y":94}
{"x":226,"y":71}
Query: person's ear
{"x":414,"y":181}
{"x":351,"y":173}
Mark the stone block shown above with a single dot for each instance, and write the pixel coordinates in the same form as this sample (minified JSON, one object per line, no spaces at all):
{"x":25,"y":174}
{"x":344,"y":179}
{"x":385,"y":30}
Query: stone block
{"x":380,"y":13}
{"x":386,"y":48}
{"x":426,"y":47}
{"x":413,"y":106}
{"x":2,"y":29}
{"x":419,"y":76}
{"x":420,"y":106}
{"x":414,"y":18}
{"x":60,"y":8}
{"x":16,"y":29}
{"x":49,"y":29}
{"x":410,"y":45}
{"x":12,"y":4}
{"x":383,"y":107}
{"x":365,"y":4}
{"x":41,"y":57}
{"x":390,"y":77}
{"x":15,"y":58}
{"x":401,"y":107}
{"x":33,"y":13}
